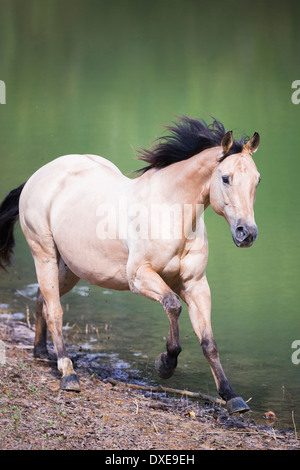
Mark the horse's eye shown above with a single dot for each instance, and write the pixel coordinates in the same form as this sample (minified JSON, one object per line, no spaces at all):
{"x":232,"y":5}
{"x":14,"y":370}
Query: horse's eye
{"x":225,"y":179}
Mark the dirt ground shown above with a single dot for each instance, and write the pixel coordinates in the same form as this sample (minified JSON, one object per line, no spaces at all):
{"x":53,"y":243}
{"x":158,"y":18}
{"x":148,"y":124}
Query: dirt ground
{"x":35,"y":414}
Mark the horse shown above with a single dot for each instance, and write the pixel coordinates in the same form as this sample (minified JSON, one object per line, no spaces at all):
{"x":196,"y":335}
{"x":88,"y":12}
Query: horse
{"x":69,"y":211}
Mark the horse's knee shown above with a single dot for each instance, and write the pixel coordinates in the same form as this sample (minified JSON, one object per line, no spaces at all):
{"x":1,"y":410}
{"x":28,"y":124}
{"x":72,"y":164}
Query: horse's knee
{"x":171,"y":303}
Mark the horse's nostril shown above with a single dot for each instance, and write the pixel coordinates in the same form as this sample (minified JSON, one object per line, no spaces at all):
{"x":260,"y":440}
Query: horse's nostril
{"x":244,"y":235}
{"x":241,"y":232}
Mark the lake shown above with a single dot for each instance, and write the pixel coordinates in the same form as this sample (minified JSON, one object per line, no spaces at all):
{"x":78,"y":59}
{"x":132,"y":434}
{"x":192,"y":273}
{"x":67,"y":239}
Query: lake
{"x":103,"y":78}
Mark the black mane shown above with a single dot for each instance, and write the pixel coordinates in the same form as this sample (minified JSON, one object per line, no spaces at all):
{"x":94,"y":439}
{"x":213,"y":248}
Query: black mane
{"x":187,"y":137}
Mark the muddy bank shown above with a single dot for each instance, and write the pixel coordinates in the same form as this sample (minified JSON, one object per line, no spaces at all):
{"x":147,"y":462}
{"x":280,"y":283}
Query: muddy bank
{"x":35,"y":414}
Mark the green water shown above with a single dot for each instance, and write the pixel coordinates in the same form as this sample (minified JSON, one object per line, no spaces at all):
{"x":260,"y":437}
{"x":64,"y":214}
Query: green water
{"x":102,"y":77}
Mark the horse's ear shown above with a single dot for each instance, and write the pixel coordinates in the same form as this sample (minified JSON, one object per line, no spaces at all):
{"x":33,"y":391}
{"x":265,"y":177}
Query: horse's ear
{"x":253,"y":143}
{"x":227,"y":142}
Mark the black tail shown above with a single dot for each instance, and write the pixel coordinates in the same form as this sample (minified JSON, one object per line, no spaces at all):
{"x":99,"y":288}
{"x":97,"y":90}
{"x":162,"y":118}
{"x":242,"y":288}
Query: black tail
{"x":9,"y":214}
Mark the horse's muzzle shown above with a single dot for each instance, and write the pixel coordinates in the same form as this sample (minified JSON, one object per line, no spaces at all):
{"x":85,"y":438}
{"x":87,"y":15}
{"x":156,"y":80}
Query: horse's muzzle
{"x":244,"y":235}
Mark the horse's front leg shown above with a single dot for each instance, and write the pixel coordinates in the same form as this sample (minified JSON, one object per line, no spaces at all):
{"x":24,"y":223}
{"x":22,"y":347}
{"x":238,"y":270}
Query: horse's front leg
{"x":198,"y":299}
{"x":147,"y":282}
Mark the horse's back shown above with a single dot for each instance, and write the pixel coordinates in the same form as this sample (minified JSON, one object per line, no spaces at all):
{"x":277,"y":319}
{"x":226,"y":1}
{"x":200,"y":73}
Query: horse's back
{"x":61,"y":202}
{"x":69,"y":170}
{"x":73,"y":165}
{"x":63,"y":183}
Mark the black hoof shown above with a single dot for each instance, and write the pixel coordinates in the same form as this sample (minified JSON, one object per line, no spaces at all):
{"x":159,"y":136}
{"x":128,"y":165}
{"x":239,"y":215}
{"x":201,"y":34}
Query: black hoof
{"x":41,"y":352}
{"x":165,"y":365}
{"x":70,"y":383}
{"x":237,"y":405}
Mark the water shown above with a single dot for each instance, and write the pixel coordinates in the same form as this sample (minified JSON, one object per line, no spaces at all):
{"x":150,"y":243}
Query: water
{"x":102,"y":77}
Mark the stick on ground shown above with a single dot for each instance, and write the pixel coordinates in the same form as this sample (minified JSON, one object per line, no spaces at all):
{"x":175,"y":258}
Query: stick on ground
{"x":160,"y":389}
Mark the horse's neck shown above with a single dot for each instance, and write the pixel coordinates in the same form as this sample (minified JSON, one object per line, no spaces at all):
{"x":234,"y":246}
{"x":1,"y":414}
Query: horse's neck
{"x":188,"y":181}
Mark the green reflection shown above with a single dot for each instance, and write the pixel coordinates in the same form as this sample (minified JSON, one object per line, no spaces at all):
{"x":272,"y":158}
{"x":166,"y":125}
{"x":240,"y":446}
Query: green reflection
{"x":102,"y":77}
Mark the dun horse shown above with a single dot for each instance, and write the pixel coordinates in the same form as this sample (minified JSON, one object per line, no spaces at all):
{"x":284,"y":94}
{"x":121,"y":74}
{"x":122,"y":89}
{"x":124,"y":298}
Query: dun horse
{"x":66,"y":208}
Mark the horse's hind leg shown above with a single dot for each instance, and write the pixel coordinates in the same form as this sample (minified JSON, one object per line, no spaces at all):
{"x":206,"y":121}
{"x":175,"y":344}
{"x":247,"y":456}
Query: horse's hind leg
{"x":40,"y":342}
{"x":46,"y":260}
{"x":67,"y":280}
{"x":148,"y":283}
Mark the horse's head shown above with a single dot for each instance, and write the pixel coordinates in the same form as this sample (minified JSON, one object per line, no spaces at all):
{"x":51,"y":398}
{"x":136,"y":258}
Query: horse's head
{"x":233,"y":187}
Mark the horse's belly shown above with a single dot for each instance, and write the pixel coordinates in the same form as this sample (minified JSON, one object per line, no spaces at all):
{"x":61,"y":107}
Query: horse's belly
{"x":97,"y":267}
{"x":97,"y":261}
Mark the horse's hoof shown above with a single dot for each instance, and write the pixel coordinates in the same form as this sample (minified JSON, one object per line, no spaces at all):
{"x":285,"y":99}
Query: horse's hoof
{"x":40,"y":352}
{"x":237,"y":405}
{"x":70,"y":383}
{"x":165,"y":365}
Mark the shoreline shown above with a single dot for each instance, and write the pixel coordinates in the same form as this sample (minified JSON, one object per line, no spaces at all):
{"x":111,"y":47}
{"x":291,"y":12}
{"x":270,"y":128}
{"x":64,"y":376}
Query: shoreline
{"x":35,"y":414}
